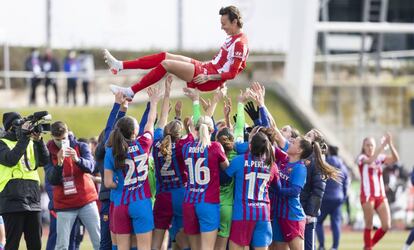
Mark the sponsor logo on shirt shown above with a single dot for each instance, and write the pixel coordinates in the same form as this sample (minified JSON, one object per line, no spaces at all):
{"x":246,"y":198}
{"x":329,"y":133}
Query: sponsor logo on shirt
{"x":284,"y":176}
{"x":197,"y":190}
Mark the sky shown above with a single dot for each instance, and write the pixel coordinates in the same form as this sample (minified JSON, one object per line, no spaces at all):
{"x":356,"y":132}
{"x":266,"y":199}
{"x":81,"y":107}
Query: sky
{"x":141,"y":25}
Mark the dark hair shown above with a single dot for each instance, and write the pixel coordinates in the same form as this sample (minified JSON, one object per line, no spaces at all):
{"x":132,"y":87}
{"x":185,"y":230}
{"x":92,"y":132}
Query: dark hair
{"x":313,"y":147}
{"x":226,"y":139}
{"x":270,"y":132}
{"x":82,"y":139}
{"x":172,"y":133}
{"x":307,"y":148}
{"x":119,"y":138}
{"x":333,"y":150}
{"x":58,"y":129}
{"x":233,"y":13}
{"x":260,"y":145}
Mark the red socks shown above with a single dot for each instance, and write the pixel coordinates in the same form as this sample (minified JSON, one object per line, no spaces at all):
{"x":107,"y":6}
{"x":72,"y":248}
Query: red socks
{"x":377,"y":236}
{"x":369,"y":243}
{"x":152,"y":77}
{"x":145,"y":62}
{"x":367,"y":239}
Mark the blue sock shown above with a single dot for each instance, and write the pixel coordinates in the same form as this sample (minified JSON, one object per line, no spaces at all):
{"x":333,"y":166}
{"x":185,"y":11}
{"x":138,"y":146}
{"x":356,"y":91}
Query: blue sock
{"x":187,"y":249}
{"x":134,"y":248}
{"x":114,"y":247}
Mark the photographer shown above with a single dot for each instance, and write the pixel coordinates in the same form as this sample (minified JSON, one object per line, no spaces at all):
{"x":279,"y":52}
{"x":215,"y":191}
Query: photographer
{"x":22,"y":151}
{"x":74,"y":193}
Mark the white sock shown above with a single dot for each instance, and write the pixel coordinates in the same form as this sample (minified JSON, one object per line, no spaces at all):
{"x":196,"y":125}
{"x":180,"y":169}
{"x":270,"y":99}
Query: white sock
{"x":130,"y":92}
{"x":406,"y":247}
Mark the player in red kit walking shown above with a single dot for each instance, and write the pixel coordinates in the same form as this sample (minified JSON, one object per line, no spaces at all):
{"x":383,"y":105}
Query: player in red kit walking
{"x":372,"y":195}
{"x":205,"y":76}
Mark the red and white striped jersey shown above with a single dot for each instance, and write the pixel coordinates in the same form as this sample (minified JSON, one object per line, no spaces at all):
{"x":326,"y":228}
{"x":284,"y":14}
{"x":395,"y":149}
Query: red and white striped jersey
{"x":372,"y":184}
{"x":232,"y":56}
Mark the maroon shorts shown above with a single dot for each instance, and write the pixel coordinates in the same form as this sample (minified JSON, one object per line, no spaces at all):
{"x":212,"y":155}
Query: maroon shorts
{"x":377,"y":200}
{"x":254,"y":233}
{"x":163,"y":210}
{"x":292,"y":229}
{"x":206,"y":69}
{"x":111,"y":212}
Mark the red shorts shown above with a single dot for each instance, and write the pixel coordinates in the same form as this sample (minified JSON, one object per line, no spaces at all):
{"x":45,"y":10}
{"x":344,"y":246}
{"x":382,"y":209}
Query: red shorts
{"x":292,"y":229}
{"x":207,"y":69}
{"x":377,"y":200}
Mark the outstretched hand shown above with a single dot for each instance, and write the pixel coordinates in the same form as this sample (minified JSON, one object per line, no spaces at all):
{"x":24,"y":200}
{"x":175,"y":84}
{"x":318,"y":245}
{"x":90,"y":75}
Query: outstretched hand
{"x":178,"y":107}
{"x":154,"y":94}
{"x":168,"y":82}
{"x":193,"y":94}
{"x":252,"y":111}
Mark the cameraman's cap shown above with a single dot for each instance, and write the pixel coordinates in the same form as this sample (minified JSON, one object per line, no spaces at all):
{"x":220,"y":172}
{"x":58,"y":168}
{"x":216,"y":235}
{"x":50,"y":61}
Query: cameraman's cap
{"x":9,"y":118}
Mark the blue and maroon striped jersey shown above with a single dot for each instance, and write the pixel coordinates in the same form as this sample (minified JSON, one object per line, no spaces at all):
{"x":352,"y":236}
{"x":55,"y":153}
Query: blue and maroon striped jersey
{"x":203,"y":172}
{"x":290,"y":173}
{"x":171,"y":174}
{"x":252,"y":180}
{"x":132,"y":179}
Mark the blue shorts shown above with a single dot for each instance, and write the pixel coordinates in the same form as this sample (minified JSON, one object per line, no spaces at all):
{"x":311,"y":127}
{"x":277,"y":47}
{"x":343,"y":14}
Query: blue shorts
{"x":1,"y":220}
{"x":277,"y":232}
{"x":255,"y":233}
{"x":135,"y":217}
{"x":201,"y":217}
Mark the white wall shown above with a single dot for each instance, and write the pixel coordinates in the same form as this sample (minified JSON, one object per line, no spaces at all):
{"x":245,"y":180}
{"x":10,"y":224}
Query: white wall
{"x":134,"y":24}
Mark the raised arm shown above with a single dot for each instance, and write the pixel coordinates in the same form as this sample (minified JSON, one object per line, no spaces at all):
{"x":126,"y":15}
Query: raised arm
{"x":218,"y":95}
{"x":154,"y":96}
{"x":165,"y":102}
{"x":119,"y":98}
{"x":258,"y":94}
{"x":194,"y":95}
{"x":240,"y":119}
{"x":394,"y":157}
{"x":178,"y":108}
{"x":227,"y":111}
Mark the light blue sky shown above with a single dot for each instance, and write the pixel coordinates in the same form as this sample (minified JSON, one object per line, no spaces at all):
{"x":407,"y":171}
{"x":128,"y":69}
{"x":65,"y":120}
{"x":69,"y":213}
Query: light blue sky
{"x":138,"y":24}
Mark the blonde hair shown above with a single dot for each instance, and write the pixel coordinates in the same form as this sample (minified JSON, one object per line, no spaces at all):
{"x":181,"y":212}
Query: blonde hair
{"x":172,"y":132}
{"x":204,"y":127}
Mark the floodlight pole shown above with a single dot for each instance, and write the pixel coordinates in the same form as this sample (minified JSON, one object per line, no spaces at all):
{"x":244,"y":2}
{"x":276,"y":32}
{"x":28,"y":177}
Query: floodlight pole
{"x":48,"y":23}
{"x":180,"y":25}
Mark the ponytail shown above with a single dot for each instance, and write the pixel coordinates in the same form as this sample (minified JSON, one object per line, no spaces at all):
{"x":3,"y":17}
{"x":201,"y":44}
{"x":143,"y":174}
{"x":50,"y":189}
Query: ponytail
{"x":166,"y":148}
{"x":118,"y":139}
{"x":327,"y":170}
{"x":204,"y":136}
{"x":172,"y":132}
{"x":204,"y":128}
{"x":119,"y":147}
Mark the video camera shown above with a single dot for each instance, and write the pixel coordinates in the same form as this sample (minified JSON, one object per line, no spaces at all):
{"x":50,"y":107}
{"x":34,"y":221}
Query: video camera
{"x":39,"y":122}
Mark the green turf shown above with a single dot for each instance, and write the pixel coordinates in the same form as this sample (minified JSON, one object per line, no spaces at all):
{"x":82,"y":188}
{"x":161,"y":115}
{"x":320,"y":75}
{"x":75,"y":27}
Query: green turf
{"x":351,"y":240}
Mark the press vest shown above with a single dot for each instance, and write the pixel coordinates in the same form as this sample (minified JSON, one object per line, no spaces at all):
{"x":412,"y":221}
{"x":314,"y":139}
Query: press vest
{"x":20,"y":170}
